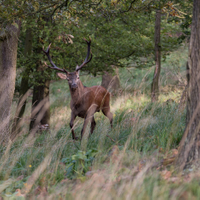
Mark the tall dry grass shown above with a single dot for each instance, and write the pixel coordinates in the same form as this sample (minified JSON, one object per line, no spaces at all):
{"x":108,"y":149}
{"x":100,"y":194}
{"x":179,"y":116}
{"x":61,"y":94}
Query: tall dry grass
{"x":132,"y":163}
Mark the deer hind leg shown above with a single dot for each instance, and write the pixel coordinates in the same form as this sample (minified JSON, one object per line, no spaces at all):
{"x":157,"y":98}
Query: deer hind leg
{"x":93,"y":124}
{"x":73,"y":117}
{"x":108,"y":114}
{"x":106,"y":109}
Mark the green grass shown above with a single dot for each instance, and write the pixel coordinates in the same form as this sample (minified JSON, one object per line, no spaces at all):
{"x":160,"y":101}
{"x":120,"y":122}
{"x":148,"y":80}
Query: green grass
{"x":50,"y":164}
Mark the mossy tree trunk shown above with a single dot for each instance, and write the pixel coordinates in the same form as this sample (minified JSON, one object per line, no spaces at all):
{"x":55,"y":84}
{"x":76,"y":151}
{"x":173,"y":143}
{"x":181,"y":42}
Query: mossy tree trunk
{"x":189,"y":150}
{"x":8,"y":61}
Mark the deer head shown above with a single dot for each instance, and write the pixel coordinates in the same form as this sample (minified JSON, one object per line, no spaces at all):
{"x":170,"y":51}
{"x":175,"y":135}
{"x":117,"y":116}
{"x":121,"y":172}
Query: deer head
{"x":72,"y":77}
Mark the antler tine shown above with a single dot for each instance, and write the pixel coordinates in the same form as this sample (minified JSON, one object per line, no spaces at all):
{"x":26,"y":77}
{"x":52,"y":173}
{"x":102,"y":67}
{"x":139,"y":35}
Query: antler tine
{"x":89,"y":40}
{"x":52,"y":63}
{"x":88,"y":53}
{"x":47,"y":51}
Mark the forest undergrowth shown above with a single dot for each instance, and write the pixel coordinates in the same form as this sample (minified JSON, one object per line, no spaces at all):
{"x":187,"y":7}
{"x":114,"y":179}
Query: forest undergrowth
{"x":134,"y":160}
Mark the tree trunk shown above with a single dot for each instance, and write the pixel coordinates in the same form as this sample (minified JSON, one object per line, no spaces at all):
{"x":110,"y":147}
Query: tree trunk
{"x":110,"y":82}
{"x":24,"y":86}
{"x":8,"y":60}
{"x":189,"y":150}
{"x":155,"y":82}
{"x":40,"y":115}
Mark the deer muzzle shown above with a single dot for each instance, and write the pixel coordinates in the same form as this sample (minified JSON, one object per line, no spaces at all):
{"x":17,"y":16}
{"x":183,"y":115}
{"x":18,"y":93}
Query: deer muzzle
{"x":74,"y":85}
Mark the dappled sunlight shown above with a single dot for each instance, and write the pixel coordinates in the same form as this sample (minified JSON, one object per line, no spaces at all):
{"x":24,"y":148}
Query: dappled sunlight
{"x":144,"y":122}
{"x":119,"y":103}
{"x":174,"y":95}
{"x":61,"y":115}
{"x":125,"y":102}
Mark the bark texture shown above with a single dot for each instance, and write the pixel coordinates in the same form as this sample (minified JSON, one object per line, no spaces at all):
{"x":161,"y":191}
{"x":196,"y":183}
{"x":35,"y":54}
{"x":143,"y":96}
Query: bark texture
{"x":189,"y":150}
{"x":8,"y":61}
{"x":155,"y":82}
{"x":23,"y":87}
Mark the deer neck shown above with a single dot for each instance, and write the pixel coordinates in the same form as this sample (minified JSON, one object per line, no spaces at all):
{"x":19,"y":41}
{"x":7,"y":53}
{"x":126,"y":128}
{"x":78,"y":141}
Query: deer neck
{"x":77,"y":94}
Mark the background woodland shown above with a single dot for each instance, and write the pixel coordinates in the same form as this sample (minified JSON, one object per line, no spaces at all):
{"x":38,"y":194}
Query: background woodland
{"x":146,"y":54}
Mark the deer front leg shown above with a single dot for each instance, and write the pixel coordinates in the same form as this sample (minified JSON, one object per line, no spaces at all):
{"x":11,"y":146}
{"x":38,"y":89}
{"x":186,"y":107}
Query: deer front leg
{"x":73,"y":117}
{"x":89,"y":118}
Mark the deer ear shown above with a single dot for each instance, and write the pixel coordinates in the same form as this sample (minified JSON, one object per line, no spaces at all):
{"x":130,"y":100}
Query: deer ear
{"x":62,"y":76}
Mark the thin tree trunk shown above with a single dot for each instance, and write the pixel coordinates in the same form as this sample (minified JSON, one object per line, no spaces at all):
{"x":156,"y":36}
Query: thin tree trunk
{"x":8,"y":60}
{"x":40,"y":114}
{"x":155,"y":82}
{"x":24,"y":86}
{"x":189,"y":150}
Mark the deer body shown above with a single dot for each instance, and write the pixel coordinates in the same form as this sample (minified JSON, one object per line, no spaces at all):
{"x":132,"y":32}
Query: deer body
{"x":85,"y":101}
{"x":80,"y":103}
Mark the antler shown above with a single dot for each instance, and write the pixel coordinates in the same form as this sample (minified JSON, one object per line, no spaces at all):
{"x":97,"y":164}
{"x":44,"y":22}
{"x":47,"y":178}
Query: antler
{"x":86,"y":59}
{"x":52,"y":63}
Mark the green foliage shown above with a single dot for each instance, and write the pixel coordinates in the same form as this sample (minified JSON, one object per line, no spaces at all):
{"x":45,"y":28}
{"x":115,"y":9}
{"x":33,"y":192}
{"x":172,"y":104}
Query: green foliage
{"x":122,"y":34}
{"x":77,"y":165}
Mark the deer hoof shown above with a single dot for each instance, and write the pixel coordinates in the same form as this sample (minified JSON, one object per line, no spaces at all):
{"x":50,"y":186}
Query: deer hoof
{"x":76,"y":138}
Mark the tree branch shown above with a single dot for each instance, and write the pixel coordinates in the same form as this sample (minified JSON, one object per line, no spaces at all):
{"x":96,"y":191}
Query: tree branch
{"x":64,"y":4}
{"x":129,"y":7}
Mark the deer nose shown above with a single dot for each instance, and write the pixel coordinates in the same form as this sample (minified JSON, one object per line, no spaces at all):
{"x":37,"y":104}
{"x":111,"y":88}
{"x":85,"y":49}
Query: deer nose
{"x":74,"y":85}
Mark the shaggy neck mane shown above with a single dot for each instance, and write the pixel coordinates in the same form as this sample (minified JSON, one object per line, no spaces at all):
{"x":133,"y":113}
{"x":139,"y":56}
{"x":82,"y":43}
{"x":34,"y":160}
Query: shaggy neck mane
{"x":77,"y":93}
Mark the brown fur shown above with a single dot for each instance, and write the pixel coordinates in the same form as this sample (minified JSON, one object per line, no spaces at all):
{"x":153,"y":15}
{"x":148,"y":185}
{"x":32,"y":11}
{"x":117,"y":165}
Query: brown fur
{"x":85,"y":101}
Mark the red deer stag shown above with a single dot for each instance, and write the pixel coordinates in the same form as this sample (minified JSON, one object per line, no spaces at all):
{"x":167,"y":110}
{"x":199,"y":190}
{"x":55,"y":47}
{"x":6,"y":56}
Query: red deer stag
{"x":85,"y":101}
